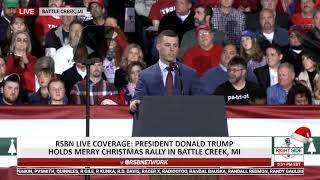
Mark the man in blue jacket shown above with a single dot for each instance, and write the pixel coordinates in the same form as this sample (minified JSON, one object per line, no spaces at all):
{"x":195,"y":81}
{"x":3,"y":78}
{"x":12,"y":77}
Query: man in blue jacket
{"x":167,"y":77}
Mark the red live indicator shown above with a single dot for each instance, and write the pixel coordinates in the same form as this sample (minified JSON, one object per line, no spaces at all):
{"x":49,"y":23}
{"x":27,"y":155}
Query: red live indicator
{"x":27,"y":11}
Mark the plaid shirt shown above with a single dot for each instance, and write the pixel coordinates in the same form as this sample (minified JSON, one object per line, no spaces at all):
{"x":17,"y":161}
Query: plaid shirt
{"x":232,"y":24}
{"x":98,"y":92}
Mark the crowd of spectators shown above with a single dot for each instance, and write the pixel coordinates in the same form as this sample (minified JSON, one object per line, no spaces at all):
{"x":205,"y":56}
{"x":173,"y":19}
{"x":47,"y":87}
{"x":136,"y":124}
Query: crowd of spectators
{"x":249,"y":51}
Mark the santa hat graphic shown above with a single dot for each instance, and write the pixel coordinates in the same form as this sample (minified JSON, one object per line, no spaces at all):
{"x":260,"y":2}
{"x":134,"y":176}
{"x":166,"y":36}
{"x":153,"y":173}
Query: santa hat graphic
{"x":303,"y":134}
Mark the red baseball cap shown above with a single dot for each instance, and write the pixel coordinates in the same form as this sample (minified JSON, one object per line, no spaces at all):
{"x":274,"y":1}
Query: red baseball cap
{"x":99,"y":2}
{"x":203,"y":27}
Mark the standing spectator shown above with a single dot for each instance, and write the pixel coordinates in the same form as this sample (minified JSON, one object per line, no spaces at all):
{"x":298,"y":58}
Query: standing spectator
{"x":268,"y":75}
{"x":237,"y":90}
{"x":101,"y":92}
{"x":269,"y":34}
{"x":21,"y":61}
{"x":160,"y":9}
{"x":44,"y":70}
{"x":11,"y":91}
{"x":277,"y":94}
{"x":180,"y":21}
{"x":59,"y":36}
{"x":202,"y":16}
{"x":229,"y":20}
{"x":97,"y":9}
{"x":217,"y":75}
{"x":292,"y":53}
{"x":44,"y":23}
{"x":17,"y":24}
{"x":57,"y":92}
{"x":310,"y":74}
{"x":2,"y":73}
{"x":63,"y":59}
{"x":8,"y":10}
{"x":245,"y":6}
{"x":132,"y":53}
{"x":205,"y":54}
{"x":250,"y":51}
{"x":282,"y":19}
{"x":134,"y":70}
{"x":305,"y":17}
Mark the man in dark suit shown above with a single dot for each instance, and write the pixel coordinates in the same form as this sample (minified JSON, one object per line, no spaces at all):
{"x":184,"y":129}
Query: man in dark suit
{"x":167,"y":77}
{"x":268,"y":75}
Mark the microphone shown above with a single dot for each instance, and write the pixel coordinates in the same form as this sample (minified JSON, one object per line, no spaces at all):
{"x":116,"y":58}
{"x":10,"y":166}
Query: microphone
{"x":287,"y":141}
{"x":176,"y":68}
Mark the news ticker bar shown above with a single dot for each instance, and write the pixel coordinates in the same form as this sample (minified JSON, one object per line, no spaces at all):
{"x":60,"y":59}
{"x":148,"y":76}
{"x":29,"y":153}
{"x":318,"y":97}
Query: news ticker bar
{"x":160,"y":171}
{"x":50,"y":11}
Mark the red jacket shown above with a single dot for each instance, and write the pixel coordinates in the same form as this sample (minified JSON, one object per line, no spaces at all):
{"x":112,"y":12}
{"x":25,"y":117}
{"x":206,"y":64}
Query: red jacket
{"x":27,"y":74}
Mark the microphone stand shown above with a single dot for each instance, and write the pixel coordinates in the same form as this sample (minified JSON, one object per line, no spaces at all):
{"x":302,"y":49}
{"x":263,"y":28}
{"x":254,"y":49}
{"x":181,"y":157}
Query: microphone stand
{"x":179,"y":74}
{"x":88,"y":63}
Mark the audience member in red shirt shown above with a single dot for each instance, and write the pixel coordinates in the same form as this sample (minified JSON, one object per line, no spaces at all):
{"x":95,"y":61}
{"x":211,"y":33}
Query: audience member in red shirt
{"x":21,"y":61}
{"x":159,"y":9}
{"x":206,"y":54}
{"x":245,"y":5}
{"x":305,"y":18}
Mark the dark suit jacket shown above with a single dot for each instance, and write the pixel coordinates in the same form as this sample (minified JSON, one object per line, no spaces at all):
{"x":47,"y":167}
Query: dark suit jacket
{"x":263,"y":76}
{"x":150,"y":82}
{"x":280,"y":38}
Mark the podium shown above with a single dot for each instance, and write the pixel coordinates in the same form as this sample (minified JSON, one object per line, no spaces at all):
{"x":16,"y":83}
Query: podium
{"x":181,"y":116}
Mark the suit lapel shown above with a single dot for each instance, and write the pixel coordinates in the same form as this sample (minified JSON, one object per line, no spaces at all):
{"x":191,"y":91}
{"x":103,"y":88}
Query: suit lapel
{"x":159,"y":79}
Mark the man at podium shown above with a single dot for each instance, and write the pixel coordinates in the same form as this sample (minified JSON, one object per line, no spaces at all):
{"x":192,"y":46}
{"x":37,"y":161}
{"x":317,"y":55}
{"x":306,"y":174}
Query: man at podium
{"x":168,"y":77}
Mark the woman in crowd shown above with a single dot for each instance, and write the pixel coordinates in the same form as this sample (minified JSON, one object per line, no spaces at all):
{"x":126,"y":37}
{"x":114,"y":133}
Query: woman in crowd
{"x":132,"y":53}
{"x":17,"y":24}
{"x":20,"y":61}
{"x":44,"y":69}
{"x":134,"y":70}
{"x":250,"y":50}
{"x":299,"y":95}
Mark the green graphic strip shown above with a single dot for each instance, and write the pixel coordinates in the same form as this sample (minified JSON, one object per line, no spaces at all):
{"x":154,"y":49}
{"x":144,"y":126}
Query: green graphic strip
{"x":8,"y":146}
{"x":316,"y":142}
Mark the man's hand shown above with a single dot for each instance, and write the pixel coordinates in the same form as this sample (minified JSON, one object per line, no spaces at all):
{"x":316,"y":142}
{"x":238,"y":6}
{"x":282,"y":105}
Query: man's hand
{"x":134,"y":105}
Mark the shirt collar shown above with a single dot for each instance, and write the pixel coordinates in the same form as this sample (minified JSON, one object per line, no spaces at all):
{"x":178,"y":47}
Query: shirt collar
{"x":162,"y":66}
{"x":223,"y":67}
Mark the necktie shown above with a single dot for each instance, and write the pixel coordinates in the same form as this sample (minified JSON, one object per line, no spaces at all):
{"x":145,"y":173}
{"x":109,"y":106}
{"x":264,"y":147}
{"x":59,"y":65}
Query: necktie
{"x":169,"y":82}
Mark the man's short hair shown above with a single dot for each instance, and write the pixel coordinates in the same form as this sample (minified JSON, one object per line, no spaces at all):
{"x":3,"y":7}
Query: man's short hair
{"x":95,"y":57}
{"x":168,"y":33}
{"x":55,"y":80}
{"x":12,"y":78}
{"x":287,"y":65}
{"x":238,"y":61}
{"x":206,"y":9}
{"x":267,"y":10}
{"x":276,"y":47}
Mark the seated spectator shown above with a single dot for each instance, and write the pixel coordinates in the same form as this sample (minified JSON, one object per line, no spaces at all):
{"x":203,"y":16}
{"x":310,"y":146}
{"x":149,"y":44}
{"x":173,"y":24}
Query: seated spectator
{"x":17,"y":24}
{"x":205,"y":54}
{"x":299,"y":95}
{"x":160,"y":9}
{"x":281,"y":19}
{"x":229,"y":20}
{"x":57,"y":92}
{"x":2,"y":73}
{"x":97,"y":9}
{"x":237,"y":90}
{"x":102,"y":92}
{"x":305,"y":17}
{"x":217,"y":75}
{"x":250,"y":51}
{"x":268,"y":75}
{"x":269,"y":34}
{"x":44,"y":69}
{"x":134,"y":70}
{"x":59,"y":36}
{"x":63,"y":60}
{"x":78,"y":71}
{"x":8,"y":11}
{"x":44,"y":23}
{"x":11,"y":90}
{"x":277,"y":94}
{"x":202,"y":16}
{"x":132,"y":53}
{"x":180,"y":20}
{"x":21,"y":61}
{"x":311,"y":73}
{"x":292,"y":53}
